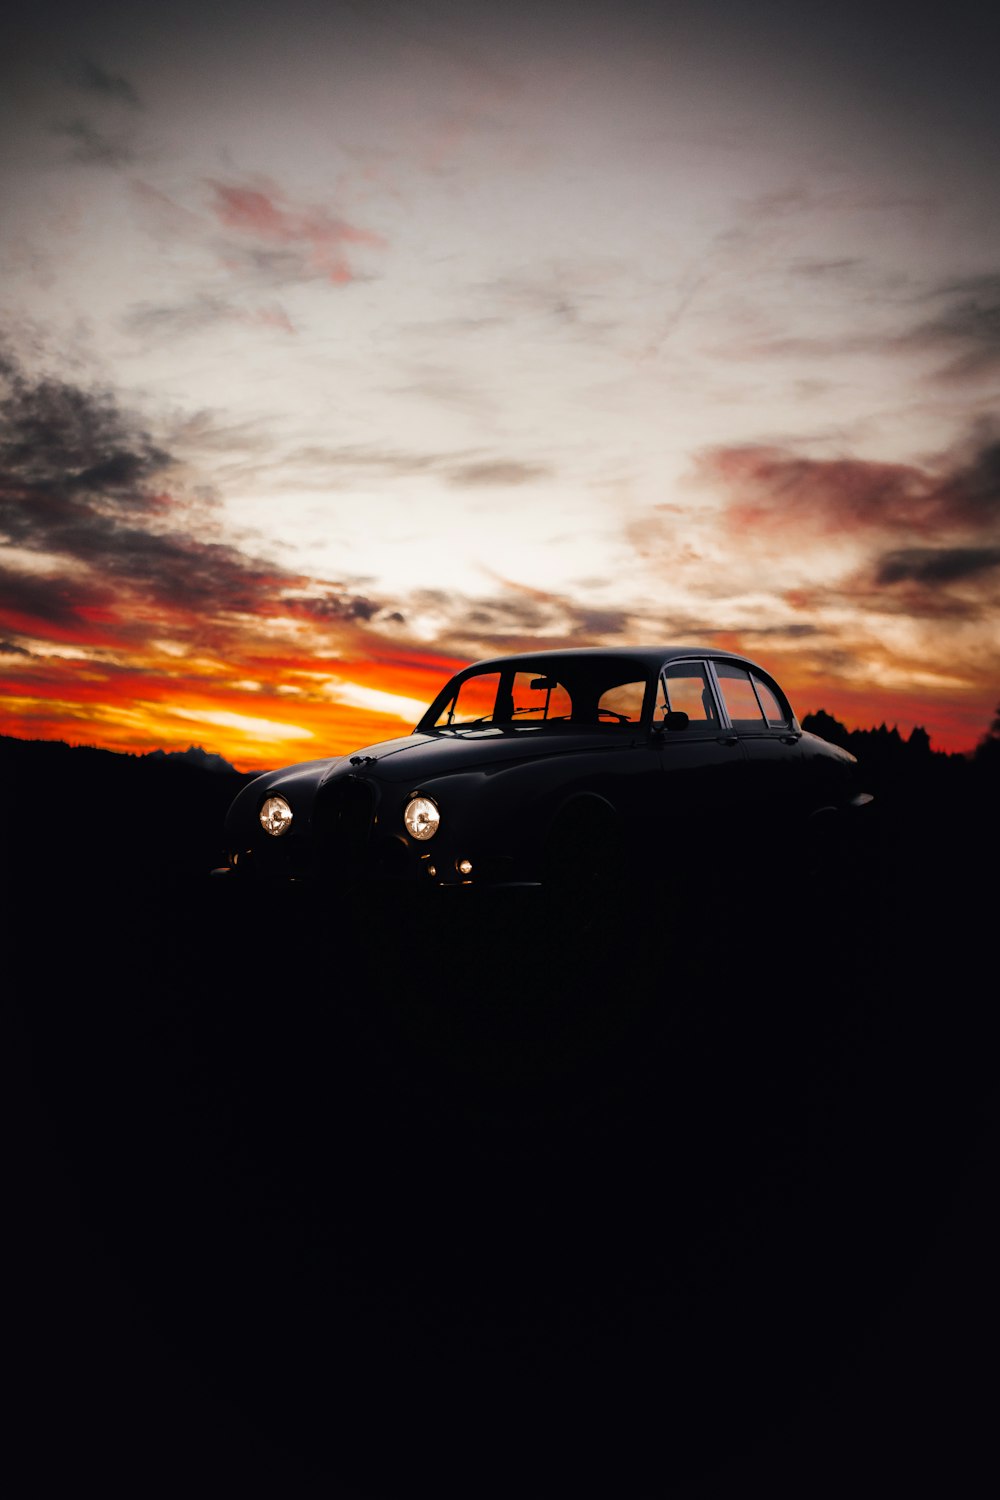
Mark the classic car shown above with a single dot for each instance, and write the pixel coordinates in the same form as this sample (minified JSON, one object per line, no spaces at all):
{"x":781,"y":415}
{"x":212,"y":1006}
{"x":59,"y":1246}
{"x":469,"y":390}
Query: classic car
{"x":567,"y":768}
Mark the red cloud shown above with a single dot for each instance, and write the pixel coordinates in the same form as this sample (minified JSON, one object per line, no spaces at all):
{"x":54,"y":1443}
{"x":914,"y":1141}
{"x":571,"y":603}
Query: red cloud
{"x":320,"y":235}
{"x":775,"y":489}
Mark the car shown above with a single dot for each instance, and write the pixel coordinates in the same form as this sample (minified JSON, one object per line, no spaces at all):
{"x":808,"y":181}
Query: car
{"x":571,"y":769}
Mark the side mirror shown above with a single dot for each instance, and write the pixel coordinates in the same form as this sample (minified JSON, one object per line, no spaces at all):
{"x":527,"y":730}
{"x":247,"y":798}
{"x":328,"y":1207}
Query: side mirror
{"x":676,"y":719}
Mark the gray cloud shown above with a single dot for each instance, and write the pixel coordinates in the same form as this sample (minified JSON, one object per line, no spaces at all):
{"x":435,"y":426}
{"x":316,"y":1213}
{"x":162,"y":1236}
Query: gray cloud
{"x":968,"y":325}
{"x":845,"y":269}
{"x":327,"y":607}
{"x":794,"y":632}
{"x":163,"y":319}
{"x":56,"y":438}
{"x":334,"y":466}
{"x":502,"y":471}
{"x":600,"y":622}
{"x":935,"y":564}
{"x":168,"y":320}
{"x":91,"y":147}
{"x":83,"y":481}
{"x":392,"y":462}
{"x":91,"y":77}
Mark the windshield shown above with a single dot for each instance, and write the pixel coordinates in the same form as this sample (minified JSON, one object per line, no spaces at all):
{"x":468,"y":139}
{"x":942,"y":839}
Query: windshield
{"x":597,"y":691}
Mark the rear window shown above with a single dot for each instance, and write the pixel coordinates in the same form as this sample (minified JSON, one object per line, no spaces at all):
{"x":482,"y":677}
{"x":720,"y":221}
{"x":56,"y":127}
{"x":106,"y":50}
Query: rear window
{"x":773,"y":710}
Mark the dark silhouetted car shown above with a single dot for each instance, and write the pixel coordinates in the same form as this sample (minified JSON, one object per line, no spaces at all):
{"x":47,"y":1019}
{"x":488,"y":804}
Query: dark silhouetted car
{"x":572,"y":768}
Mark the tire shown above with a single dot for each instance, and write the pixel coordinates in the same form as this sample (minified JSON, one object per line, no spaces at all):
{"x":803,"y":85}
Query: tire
{"x":583,"y":855}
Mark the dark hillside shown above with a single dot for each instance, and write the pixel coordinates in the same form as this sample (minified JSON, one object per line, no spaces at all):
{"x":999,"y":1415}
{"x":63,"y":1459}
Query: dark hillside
{"x":77,"y":814}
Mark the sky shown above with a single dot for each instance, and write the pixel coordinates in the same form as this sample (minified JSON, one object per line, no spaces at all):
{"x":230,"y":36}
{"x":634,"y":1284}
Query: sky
{"x":344,"y":343}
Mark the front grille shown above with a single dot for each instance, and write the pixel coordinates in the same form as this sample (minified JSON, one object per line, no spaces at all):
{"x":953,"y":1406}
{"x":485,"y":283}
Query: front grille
{"x":342,"y":820}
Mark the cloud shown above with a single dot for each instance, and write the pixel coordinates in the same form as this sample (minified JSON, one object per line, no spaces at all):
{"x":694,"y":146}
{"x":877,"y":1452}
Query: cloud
{"x":319,"y":466}
{"x":161,"y":215}
{"x":870,"y":601}
{"x":55,"y":605}
{"x":357,"y":460}
{"x":519,"y":618}
{"x":92,"y":78}
{"x":92,"y":147}
{"x":862,"y":578}
{"x":326,"y":607}
{"x":793,"y":632}
{"x":844,"y":269}
{"x":771,"y":489}
{"x":56,"y":439}
{"x":567,"y":297}
{"x":106,"y":551}
{"x":82,"y":484}
{"x":138,"y":607}
{"x":497,"y":472}
{"x":207,"y":310}
{"x":968,"y":326}
{"x":310,"y":241}
{"x":936,"y":564}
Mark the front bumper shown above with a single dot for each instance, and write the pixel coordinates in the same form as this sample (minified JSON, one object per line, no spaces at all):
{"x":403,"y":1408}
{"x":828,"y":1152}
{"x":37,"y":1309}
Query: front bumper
{"x":384,"y":860}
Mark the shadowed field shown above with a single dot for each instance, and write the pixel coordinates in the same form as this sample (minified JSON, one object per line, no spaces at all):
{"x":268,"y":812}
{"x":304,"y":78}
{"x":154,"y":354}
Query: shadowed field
{"x":490,"y":1194}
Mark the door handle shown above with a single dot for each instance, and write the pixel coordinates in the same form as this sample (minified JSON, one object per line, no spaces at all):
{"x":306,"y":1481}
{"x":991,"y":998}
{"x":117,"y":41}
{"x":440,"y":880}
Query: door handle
{"x":727,"y":739}
{"x":789,"y":739}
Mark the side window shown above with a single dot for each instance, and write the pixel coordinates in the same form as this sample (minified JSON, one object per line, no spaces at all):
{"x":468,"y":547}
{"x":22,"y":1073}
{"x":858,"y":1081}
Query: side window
{"x":623,"y":702}
{"x":739,"y":696}
{"x":684,"y":688}
{"x":773,"y":710}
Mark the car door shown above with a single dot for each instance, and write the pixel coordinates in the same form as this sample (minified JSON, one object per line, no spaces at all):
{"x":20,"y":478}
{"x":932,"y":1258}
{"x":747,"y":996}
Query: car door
{"x":762,"y":719}
{"x":703,"y":764}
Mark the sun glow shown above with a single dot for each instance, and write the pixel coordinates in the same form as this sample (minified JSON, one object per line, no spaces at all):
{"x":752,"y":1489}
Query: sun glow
{"x":356,"y":696}
{"x":261,"y":729}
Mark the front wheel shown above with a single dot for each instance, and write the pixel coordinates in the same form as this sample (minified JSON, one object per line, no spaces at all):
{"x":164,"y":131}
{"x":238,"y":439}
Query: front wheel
{"x":583,"y":854}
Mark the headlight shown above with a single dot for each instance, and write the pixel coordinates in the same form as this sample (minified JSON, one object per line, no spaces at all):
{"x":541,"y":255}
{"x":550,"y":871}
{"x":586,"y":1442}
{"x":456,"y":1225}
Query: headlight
{"x":421,"y":818}
{"x":275,"y":816}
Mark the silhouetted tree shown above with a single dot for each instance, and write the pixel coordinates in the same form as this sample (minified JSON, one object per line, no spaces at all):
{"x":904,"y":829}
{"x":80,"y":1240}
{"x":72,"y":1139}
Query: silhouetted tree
{"x":988,"y":750}
{"x":919,"y":742}
{"x":828,"y":728}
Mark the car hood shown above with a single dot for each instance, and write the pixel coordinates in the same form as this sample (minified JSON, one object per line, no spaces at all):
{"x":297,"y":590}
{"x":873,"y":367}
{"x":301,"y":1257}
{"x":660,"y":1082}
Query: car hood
{"x":421,"y":757}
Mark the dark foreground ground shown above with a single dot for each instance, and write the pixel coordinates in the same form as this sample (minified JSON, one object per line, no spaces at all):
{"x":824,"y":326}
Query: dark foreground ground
{"x":487,"y":1198}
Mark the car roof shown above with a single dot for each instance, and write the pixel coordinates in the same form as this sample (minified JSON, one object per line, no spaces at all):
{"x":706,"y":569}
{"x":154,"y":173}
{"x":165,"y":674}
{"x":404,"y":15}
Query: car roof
{"x":649,"y":656}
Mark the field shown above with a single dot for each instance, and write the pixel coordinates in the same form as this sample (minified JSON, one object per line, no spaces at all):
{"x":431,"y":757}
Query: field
{"x":352,"y":1196}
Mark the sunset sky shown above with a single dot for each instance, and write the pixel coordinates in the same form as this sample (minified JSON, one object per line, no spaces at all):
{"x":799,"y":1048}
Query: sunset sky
{"x":346,"y":341}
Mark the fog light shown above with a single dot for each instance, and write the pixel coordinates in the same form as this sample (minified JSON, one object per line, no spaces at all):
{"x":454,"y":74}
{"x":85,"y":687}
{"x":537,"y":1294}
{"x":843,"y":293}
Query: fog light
{"x":465,"y":867}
